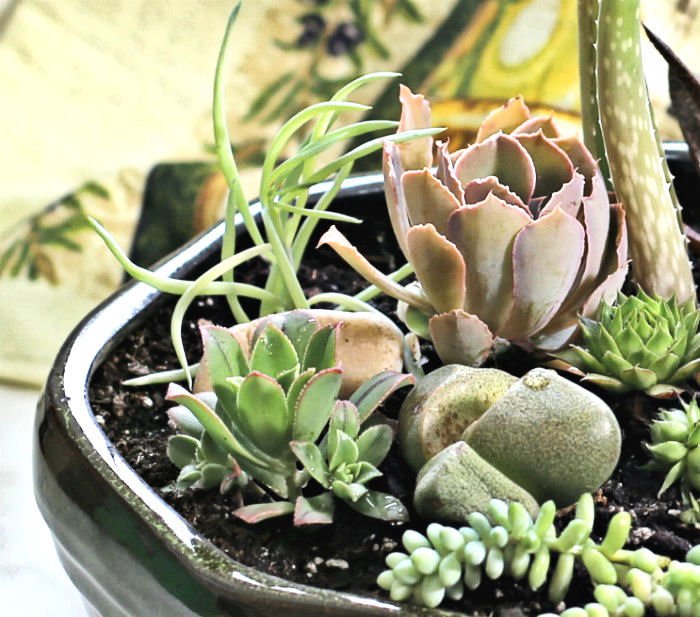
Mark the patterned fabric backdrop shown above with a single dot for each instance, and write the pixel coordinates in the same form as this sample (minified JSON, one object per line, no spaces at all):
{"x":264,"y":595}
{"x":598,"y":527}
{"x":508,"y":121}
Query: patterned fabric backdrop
{"x":105,"y":111}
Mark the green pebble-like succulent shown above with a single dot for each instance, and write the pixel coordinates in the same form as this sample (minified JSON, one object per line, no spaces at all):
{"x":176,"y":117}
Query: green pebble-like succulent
{"x":531,"y":439}
{"x":268,"y":406}
{"x":675,"y":446}
{"x":641,"y":342}
{"x":505,"y":540}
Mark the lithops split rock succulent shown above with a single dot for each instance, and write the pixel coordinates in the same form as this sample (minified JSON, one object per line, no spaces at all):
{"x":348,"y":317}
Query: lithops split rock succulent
{"x":457,"y":482}
{"x":552,"y":437}
{"x":540,"y":435}
{"x":436,"y":412}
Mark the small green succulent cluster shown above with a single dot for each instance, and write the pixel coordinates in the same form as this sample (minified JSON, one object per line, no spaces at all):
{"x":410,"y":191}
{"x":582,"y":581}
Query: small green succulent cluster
{"x":506,"y":541}
{"x":347,"y":460}
{"x":675,"y":441}
{"x":270,"y":401}
{"x":673,"y":593}
{"x":641,"y":342}
{"x":202,"y":462}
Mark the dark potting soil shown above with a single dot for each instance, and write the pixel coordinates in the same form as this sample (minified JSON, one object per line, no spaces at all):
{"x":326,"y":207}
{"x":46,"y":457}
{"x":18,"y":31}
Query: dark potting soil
{"x":349,"y":554}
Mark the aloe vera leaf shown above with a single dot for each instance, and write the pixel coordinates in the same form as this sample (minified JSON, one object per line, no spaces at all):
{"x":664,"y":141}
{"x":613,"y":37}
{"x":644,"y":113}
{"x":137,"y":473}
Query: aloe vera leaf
{"x":637,"y":164}
{"x":590,"y":116}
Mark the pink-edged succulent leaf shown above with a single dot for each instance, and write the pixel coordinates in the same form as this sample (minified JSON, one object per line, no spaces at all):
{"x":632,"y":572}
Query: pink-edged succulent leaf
{"x":558,"y":334}
{"x":222,"y":358}
{"x":393,"y":193}
{"x":259,"y":512}
{"x":320,"y":352}
{"x":546,"y":259}
{"x":615,"y":262}
{"x":479,"y":189}
{"x":439,"y":267}
{"x":415,"y":114}
{"x":546,"y":124}
{"x":371,"y":394}
{"x":460,"y":338}
{"x":553,"y":168}
{"x":505,"y":119}
{"x":446,"y":172}
{"x":596,"y":216}
{"x":261,"y":413}
{"x":346,"y":418}
{"x":502,"y":156}
{"x":382,"y":506}
{"x":484,"y":235}
{"x":273,"y":353}
{"x":374,"y":444}
{"x":341,"y":245}
{"x":581,"y":159}
{"x":315,"y":404}
{"x":213,"y":425}
{"x":568,"y":197}
{"x":427,"y":199}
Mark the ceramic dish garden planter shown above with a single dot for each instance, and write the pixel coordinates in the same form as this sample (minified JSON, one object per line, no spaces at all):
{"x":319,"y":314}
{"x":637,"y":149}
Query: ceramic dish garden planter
{"x":128,"y":552}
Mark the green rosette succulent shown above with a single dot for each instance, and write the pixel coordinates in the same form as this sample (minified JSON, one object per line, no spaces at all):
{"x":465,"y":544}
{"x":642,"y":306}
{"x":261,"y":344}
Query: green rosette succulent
{"x":266,"y":399}
{"x":675,"y":441}
{"x":641,"y":342}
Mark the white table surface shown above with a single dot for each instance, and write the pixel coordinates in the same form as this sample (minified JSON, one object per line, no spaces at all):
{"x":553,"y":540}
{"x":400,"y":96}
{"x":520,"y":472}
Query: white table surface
{"x":32,"y":581}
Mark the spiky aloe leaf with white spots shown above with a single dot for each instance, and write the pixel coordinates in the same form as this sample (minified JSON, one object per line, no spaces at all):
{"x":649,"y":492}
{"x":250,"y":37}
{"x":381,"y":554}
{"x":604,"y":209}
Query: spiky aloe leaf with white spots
{"x":640,"y":175}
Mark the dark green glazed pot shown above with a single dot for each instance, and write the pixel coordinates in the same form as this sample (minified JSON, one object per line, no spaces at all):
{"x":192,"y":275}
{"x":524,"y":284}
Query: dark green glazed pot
{"x":126,"y":550}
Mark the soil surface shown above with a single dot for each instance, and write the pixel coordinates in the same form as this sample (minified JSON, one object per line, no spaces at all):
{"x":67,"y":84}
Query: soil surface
{"x":135,"y":420}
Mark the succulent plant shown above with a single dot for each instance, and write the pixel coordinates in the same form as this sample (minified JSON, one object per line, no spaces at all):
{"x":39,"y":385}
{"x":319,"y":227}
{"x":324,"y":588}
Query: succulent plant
{"x":505,"y":541}
{"x":511,"y":237}
{"x":641,"y":342}
{"x":202,"y":462}
{"x":675,"y":437}
{"x":476,"y":434}
{"x":281,"y":390}
{"x":348,"y":460}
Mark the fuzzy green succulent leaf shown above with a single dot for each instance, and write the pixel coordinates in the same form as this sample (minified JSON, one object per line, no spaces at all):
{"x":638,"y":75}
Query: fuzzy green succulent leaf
{"x":348,"y":491}
{"x":316,"y":510}
{"x":311,"y":457}
{"x":346,"y":418}
{"x":374,"y":444}
{"x":261,"y":413}
{"x":181,"y":450}
{"x":342,"y":449}
{"x":211,"y":452}
{"x":259,"y":512}
{"x":381,"y":506}
{"x":223,"y":353}
{"x":186,"y":421}
{"x":320,"y":350}
{"x":212,"y":424}
{"x":315,"y":404}
{"x":273,"y":353}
